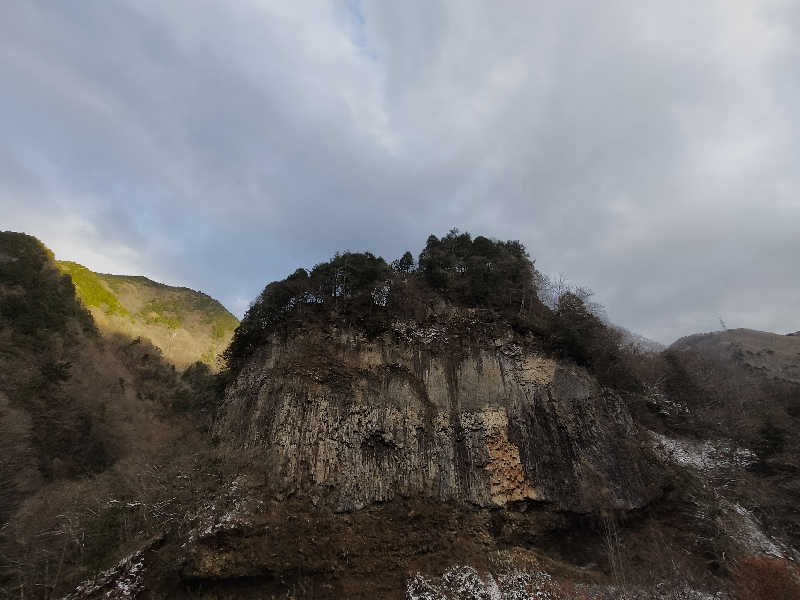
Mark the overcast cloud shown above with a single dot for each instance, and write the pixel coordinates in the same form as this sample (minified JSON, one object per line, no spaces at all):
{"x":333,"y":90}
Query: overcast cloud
{"x":648,"y":150}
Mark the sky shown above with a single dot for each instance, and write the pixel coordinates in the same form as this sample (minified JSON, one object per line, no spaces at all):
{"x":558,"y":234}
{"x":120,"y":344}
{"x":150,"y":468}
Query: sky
{"x":646,"y":150}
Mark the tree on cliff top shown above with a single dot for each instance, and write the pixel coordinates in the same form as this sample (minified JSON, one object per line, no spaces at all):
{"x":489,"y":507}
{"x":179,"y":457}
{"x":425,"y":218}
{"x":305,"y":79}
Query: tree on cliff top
{"x":363,"y":290}
{"x":404,"y":264}
{"x":478,"y":272}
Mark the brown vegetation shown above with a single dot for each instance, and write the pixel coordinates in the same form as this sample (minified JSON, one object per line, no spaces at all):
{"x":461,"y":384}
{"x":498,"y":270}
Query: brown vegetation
{"x":766,"y":578}
{"x":88,"y":431}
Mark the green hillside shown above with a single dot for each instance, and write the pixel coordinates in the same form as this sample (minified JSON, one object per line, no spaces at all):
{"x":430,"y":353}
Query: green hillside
{"x":185,"y":324}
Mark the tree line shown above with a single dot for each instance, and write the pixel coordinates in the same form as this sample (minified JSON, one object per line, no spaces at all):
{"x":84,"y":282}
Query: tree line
{"x":363,"y":290}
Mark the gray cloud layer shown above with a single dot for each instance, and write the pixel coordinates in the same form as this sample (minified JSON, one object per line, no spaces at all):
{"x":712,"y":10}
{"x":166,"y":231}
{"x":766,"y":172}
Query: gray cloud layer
{"x":648,"y":150}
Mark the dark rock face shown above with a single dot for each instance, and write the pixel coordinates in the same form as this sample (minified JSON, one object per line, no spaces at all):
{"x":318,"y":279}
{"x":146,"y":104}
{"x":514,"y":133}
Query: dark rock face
{"x":422,"y":413}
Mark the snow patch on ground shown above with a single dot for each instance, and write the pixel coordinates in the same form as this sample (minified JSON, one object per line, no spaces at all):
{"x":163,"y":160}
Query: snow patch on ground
{"x":465,"y":583}
{"x":125,"y":580}
{"x":230,"y":511}
{"x":753,"y":537}
{"x":710,"y":457}
{"x":707,"y":455}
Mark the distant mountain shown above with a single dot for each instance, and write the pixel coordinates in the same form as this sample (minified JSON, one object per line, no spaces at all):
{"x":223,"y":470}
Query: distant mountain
{"x":770,"y":354}
{"x":187,"y":325}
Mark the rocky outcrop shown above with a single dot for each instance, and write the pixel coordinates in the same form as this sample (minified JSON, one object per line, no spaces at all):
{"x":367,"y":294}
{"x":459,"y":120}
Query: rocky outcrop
{"x":439,"y":412}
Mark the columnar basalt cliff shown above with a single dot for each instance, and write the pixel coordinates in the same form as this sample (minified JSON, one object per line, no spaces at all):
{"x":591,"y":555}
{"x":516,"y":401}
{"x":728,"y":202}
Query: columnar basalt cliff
{"x":448,"y":411}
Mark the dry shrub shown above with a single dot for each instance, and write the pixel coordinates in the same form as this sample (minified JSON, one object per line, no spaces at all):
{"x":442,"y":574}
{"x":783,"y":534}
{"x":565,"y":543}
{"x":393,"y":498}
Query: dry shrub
{"x":569,"y":590}
{"x":766,"y":578}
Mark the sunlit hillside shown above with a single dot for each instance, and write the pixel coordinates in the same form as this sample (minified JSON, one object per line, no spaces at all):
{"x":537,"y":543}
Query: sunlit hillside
{"x":185,"y":324}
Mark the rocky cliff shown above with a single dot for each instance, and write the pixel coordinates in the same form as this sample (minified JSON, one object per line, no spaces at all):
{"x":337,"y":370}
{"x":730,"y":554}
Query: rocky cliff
{"x":453,"y":444}
{"x":447,"y":412}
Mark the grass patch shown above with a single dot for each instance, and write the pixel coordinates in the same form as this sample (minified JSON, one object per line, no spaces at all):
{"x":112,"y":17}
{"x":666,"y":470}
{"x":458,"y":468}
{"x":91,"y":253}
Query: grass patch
{"x":223,"y":324}
{"x":162,"y":312}
{"x":90,"y":288}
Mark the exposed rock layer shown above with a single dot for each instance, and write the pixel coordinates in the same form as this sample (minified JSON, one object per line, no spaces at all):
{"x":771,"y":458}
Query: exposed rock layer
{"x":430,"y":413}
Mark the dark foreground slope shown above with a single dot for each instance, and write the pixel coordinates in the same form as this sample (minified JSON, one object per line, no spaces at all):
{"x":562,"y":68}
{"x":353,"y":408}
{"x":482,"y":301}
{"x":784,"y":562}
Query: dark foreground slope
{"x":95,"y":432}
{"x":186,"y":325}
{"x":743,"y":386}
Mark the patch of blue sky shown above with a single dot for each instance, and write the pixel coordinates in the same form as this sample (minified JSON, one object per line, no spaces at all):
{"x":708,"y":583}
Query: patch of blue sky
{"x":356,"y":26}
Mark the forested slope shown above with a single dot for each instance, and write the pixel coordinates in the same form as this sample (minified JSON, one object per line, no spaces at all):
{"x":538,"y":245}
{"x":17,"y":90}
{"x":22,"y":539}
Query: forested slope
{"x":185,"y":324}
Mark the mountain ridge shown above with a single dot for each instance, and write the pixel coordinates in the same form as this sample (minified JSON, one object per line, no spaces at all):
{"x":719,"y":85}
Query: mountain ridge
{"x":187,"y":325}
{"x":772,"y":353}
